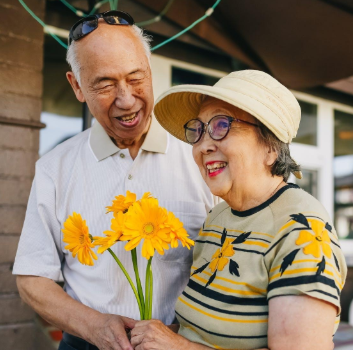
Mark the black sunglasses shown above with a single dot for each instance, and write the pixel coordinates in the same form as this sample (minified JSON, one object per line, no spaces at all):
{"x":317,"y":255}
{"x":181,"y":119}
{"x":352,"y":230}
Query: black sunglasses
{"x":88,"y":24}
{"x":218,"y":128}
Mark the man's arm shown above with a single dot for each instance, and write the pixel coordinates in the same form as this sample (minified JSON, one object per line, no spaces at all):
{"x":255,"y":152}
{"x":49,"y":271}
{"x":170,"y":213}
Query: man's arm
{"x":107,"y":332}
{"x":300,"y":323}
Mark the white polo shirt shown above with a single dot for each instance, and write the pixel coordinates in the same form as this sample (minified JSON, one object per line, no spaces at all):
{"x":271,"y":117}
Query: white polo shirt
{"x":84,"y":174}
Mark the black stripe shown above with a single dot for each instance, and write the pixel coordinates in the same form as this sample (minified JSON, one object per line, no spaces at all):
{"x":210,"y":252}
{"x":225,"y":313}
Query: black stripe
{"x":295,"y":281}
{"x":265,"y":204}
{"x":219,"y":334}
{"x":251,"y":238}
{"x":222,"y":310}
{"x":337,"y":245}
{"x":283,"y":237}
{"x":255,"y":239}
{"x":322,"y":292}
{"x":241,"y":250}
{"x":224,"y":298}
{"x":209,"y":242}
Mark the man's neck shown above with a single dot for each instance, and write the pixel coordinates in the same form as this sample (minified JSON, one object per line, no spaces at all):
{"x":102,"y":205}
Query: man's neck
{"x":133,"y":145}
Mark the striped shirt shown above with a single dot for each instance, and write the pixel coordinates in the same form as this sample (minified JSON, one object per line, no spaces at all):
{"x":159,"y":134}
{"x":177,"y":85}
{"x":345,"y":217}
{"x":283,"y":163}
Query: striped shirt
{"x":84,"y":174}
{"x":285,"y":246}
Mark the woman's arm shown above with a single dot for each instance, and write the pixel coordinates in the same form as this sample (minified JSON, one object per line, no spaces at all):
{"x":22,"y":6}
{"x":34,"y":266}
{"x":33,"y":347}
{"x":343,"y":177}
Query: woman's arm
{"x":154,"y":335}
{"x":300,"y":323}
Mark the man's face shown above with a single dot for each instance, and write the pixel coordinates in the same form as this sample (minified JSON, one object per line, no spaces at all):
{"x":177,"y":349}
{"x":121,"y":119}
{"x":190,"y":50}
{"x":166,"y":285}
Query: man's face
{"x":116,"y":81}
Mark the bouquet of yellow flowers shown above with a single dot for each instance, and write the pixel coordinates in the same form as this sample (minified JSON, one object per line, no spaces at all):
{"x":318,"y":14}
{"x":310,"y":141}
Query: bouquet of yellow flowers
{"x":134,"y":221}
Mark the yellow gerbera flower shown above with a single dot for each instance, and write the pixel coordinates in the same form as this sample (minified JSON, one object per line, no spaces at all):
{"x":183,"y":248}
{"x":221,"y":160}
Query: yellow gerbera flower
{"x":122,"y":203}
{"x":143,"y":221}
{"x":320,"y":239}
{"x":221,"y":257}
{"x":177,"y":232}
{"x":78,"y":238}
{"x":117,"y":227}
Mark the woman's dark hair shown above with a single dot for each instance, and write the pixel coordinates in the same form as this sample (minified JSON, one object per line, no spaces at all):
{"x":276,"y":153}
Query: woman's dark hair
{"x":284,"y":164}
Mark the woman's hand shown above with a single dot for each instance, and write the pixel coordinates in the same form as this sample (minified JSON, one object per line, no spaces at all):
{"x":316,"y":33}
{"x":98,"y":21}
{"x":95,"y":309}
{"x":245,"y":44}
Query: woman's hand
{"x":154,"y":335}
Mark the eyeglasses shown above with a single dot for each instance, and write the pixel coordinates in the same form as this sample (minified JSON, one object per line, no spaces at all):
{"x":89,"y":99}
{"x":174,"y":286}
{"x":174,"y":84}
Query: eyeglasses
{"x":88,"y":24}
{"x":218,"y":128}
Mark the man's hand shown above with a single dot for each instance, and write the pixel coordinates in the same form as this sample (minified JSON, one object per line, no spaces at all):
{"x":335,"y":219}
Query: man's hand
{"x":110,"y":332}
{"x":107,"y":332}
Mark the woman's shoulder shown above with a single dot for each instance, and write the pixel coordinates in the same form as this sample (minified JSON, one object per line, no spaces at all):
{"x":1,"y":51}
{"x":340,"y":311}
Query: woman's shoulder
{"x":296,"y":201}
{"x":217,"y":210}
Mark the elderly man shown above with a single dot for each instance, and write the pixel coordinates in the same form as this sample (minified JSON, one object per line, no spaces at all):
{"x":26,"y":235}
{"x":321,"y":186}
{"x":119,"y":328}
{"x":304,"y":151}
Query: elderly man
{"x":126,"y":149}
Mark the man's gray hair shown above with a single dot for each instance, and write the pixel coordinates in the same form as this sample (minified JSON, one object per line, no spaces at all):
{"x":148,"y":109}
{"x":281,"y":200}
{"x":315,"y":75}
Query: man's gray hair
{"x":284,"y":165}
{"x":71,"y":56}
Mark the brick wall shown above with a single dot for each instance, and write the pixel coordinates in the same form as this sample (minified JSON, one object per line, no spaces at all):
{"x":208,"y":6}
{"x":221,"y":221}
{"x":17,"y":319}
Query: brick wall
{"x":21,"y":62}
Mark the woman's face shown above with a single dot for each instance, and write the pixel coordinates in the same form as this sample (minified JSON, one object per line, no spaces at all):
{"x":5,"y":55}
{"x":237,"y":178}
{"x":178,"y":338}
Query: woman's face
{"x":238,"y":159}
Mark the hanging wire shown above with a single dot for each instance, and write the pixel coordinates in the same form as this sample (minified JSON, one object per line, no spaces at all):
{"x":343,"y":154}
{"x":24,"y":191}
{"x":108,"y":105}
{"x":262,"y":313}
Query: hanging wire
{"x":73,"y":9}
{"x":42,"y":23}
{"x":208,"y":13}
{"x":157,"y":18}
{"x":97,"y":6}
{"x":114,"y":3}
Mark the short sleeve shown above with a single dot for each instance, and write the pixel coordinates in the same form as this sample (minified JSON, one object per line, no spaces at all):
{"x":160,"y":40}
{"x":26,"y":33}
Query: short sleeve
{"x":38,"y":253}
{"x":305,"y":259}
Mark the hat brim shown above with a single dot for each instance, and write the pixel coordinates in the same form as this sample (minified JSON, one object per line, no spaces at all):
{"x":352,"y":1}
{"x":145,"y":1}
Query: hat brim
{"x":181,"y":103}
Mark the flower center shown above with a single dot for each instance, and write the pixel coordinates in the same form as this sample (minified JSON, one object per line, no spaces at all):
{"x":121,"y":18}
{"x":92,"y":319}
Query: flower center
{"x":319,"y":238}
{"x":82,"y":239}
{"x":148,"y":228}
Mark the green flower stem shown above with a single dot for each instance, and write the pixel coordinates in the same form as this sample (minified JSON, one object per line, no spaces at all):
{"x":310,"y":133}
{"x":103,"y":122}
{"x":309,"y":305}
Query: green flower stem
{"x":148,"y":291}
{"x":151,"y":292}
{"x":129,"y":280}
{"x":138,"y":281}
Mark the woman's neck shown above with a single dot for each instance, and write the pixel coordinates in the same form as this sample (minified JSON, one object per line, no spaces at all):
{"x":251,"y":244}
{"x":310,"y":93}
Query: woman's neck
{"x":249,"y":194}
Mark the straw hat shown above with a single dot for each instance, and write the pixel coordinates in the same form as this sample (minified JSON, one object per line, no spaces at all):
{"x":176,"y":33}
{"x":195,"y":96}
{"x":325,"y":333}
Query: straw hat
{"x":250,"y":90}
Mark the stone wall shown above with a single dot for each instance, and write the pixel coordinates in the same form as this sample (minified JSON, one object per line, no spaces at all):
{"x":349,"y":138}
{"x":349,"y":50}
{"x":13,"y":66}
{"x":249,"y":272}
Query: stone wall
{"x":21,"y":63}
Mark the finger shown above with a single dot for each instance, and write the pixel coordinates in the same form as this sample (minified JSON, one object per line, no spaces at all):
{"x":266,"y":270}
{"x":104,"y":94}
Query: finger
{"x":121,"y":340}
{"x":128,"y":322}
{"x":138,"y":330}
{"x":137,"y":340}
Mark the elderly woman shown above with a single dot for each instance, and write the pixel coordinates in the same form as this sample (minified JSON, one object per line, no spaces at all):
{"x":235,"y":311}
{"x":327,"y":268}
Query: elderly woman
{"x":267,"y":269}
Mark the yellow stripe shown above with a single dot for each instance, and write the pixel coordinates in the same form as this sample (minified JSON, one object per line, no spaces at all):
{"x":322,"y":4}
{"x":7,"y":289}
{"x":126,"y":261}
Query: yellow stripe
{"x":221,"y":318}
{"x":288,"y":224}
{"x":261,"y":244}
{"x":292,"y":272}
{"x":216,"y":235}
{"x":310,"y":260}
{"x":239,"y":231}
{"x":209,"y":234}
{"x":231,"y":290}
{"x":233,"y":282}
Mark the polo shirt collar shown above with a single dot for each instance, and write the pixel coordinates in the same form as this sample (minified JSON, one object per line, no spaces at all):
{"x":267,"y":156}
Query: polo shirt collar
{"x":102,"y":146}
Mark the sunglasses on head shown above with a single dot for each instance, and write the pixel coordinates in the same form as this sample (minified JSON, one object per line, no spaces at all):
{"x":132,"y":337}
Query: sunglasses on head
{"x":218,"y":128}
{"x":88,"y":24}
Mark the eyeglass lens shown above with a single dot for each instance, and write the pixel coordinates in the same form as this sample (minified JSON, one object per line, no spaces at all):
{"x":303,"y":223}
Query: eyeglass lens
{"x":84,"y":28}
{"x":116,"y":20}
{"x":218,"y":128}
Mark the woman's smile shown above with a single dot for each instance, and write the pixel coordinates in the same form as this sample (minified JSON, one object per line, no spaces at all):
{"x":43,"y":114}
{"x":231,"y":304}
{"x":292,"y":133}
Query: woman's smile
{"x":215,"y":167}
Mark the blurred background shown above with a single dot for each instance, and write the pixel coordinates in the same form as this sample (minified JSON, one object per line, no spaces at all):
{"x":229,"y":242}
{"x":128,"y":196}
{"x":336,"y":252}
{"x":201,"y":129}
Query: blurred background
{"x":305,"y":44}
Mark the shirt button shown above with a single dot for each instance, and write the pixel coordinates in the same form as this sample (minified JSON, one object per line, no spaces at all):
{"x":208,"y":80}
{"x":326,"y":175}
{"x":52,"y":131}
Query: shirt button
{"x":130,"y":177}
{"x":122,"y":155}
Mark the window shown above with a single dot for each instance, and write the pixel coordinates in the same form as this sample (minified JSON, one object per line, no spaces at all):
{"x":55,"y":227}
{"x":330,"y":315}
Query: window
{"x":309,"y":182}
{"x":343,"y":174}
{"x":184,"y":76}
{"x":307,"y":133}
